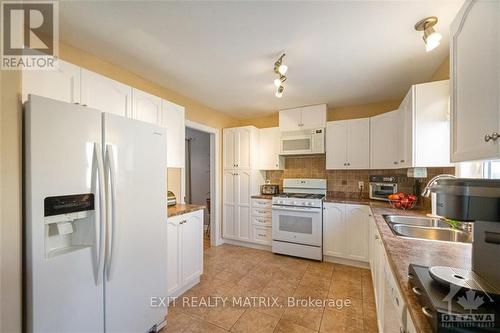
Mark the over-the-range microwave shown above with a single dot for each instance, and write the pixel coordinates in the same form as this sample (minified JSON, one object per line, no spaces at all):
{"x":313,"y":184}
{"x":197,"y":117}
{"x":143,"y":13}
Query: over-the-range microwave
{"x":303,"y":142}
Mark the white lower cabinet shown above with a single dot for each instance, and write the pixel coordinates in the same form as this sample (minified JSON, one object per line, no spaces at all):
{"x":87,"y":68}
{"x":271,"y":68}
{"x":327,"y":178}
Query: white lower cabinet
{"x":345,"y":231}
{"x":262,"y":221}
{"x":392,"y":312}
{"x":185,"y":252}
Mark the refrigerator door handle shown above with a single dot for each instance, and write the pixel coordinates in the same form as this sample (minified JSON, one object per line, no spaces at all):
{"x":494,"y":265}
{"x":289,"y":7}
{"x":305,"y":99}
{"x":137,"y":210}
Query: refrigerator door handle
{"x":111,"y":234}
{"x":102,"y":213}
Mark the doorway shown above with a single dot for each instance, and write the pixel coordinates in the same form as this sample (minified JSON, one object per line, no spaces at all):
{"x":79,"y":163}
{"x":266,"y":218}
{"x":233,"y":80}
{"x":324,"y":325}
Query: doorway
{"x":200,"y":175}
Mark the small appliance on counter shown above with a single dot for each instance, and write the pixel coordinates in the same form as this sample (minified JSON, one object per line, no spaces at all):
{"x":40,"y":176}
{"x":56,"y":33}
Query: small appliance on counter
{"x":382,"y":186}
{"x":457,"y":299}
{"x":171,"y":200}
{"x":269,"y":189}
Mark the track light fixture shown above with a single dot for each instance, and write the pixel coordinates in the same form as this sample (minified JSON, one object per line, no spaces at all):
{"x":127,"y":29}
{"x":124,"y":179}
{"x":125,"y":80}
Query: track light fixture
{"x":280,"y":68}
{"x":431,"y":38}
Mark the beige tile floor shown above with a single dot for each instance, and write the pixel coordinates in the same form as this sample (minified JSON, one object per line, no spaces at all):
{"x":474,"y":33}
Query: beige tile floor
{"x":231,"y":272}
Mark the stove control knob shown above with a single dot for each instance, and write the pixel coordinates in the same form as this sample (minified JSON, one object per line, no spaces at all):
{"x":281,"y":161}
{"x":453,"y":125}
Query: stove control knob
{"x":296,"y":203}
{"x":309,"y":203}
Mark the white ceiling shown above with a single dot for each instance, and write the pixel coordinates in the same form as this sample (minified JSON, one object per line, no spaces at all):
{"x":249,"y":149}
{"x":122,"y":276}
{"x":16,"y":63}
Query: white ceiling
{"x":222,"y":53}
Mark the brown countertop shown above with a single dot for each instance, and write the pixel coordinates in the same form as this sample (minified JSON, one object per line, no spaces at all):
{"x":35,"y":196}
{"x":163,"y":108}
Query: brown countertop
{"x":263,"y":196}
{"x":180,"y":209}
{"x":403,"y":251}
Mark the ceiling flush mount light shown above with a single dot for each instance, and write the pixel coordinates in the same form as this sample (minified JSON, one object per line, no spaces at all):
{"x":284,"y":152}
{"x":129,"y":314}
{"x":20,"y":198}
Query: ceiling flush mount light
{"x":432,"y":38}
{"x":280,"y":68}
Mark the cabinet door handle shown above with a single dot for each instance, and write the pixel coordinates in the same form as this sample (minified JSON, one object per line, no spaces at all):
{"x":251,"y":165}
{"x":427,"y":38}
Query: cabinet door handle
{"x":402,"y":161}
{"x":494,"y":136}
{"x":427,"y":312}
{"x":261,"y":235}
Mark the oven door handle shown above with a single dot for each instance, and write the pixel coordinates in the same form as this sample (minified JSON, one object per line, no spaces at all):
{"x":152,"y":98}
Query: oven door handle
{"x":302,"y":209}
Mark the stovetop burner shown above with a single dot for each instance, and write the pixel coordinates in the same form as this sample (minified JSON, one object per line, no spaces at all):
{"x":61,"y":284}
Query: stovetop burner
{"x":301,"y":195}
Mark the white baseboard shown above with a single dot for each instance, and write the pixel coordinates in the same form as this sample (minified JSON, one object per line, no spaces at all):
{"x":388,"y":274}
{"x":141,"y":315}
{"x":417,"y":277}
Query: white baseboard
{"x":348,"y":262}
{"x":247,"y":244}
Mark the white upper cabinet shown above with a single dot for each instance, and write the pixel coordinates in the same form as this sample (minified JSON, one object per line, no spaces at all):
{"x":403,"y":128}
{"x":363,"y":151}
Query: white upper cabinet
{"x":241,"y":147}
{"x":146,"y":107}
{"x":358,"y":144}
{"x":475,"y":82}
{"x":348,"y":144}
{"x":384,"y":141}
{"x":173,"y":120}
{"x":424,"y":126}
{"x":62,"y":84}
{"x":307,"y":117}
{"x":336,"y":144}
{"x":105,"y":94}
{"x":269,"y":149}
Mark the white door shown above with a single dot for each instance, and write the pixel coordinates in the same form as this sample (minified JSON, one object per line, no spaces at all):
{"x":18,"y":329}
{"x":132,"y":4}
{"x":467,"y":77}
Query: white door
{"x":336,"y":144}
{"x":242,"y":182}
{"x":173,"y":120}
{"x":475,"y":81}
{"x":383,"y":141}
{"x":192,"y":246}
{"x":62,"y":84}
{"x":313,"y":116}
{"x":242,"y":151}
{"x":229,"y":149}
{"x":66,"y":295}
{"x":137,"y":258}
{"x":146,"y":107}
{"x":230,"y":198}
{"x":105,"y":94}
{"x":357,"y":226}
{"x":269,"y":148}
{"x":290,"y":120}
{"x":358,"y":144}
{"x":174,"y":260}
{"x":405,"y":130}
{"x":335,"y":240}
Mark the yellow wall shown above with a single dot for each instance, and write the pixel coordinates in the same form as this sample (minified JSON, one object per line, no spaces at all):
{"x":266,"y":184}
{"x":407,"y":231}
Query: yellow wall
{"x":443,"y":71}
{"x":195,"y":111}
{"x":10,"y":202}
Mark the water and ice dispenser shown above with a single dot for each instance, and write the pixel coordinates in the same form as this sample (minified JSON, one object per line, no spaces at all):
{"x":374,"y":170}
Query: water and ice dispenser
{"x":69,"y":223}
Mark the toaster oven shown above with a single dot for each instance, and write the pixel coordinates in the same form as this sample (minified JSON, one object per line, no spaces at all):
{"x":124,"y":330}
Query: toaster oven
{"x":269,"y":189}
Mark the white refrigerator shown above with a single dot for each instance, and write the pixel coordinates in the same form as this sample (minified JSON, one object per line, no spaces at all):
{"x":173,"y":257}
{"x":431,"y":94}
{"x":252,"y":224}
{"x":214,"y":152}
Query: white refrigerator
{"x":96,"y":241}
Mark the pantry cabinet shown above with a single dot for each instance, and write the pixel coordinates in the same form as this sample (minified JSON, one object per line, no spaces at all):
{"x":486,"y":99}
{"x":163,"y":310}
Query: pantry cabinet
{"x":475,"y":82}
{"x":269,"y":149}
{"x":345,"y":231}
{"x":146,"y":107}
{"x":105,"y":94}
{"x":62,"y":84}
{"x":173,"y":119}
{"x":384,"y":141}
{"x":303,"y":118}
{"x":185,"y":252}
{"x":241,"y":179}
{"x":348,"y":144}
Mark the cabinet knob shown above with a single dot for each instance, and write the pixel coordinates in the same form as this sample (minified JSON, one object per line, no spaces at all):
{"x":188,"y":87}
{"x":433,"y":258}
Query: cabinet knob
{"x":395,"y":162}
{"x":494,"y":136}
{"x":348,"y":163}
{"x":402,"y":161}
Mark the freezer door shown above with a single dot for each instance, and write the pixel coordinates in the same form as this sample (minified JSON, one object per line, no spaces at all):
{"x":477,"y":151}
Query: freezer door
{"x":136,"y":263}
{"x":63,"y":217}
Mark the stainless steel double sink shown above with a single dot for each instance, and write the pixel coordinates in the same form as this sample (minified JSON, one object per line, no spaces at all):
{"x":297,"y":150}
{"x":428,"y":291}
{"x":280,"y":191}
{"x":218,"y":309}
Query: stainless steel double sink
{"x":428,"y":228}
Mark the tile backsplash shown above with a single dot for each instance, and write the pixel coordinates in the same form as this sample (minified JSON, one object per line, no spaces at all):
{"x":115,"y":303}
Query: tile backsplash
{"x":345,"y":182}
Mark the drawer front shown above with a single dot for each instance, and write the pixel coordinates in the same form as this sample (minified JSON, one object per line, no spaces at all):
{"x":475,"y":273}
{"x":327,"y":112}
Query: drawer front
{"x":262,"y":220}
{"x":261,"y":203}
{"x":264,"y":212}
{"x":262,"y":234}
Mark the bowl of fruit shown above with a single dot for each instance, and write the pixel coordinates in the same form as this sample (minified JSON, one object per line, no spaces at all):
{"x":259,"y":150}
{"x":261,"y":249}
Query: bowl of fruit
{"x":403,"y":201}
